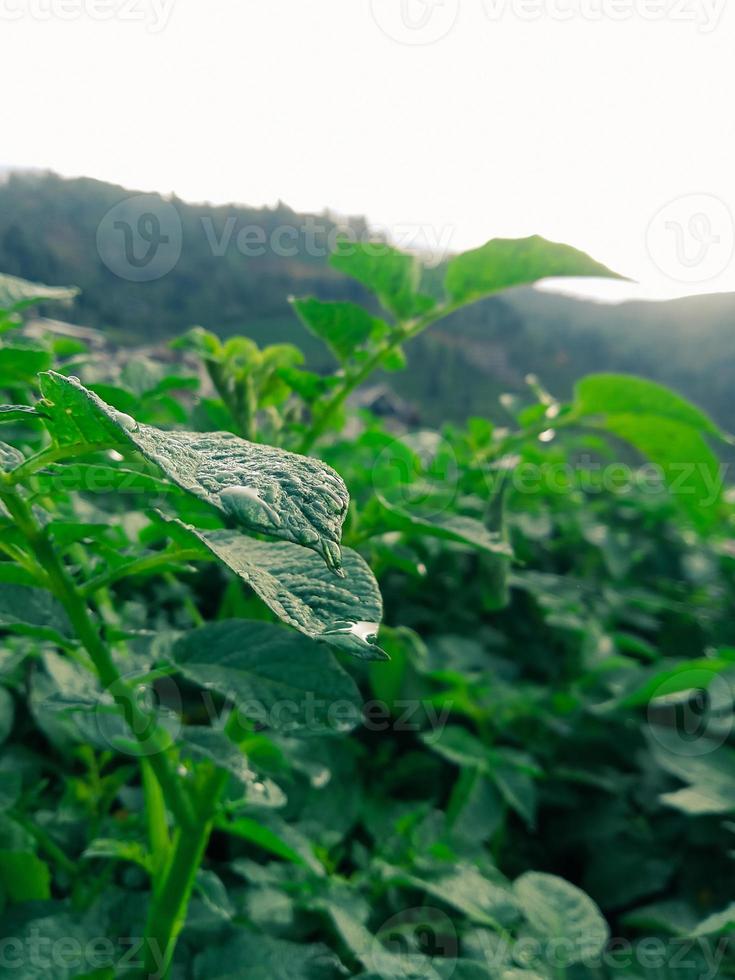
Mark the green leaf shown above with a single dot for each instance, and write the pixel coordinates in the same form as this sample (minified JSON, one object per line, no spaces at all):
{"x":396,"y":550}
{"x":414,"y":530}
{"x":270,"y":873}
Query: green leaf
{"x":343,"y":326}
{"x":33,"y":611}
{"x":389,"y":273}
{"x":483,"y":901}
{"x":262,"y":488}
{"x":447,"y":526}
{"x":22,"y":360}
{"x":17,"y":294}
{"x":259,"y":957}
{"x":505,"y":262}
{"x":658,"y":683}
{"x":624,"y":394}
{"x":710,"y":777}
{"x":689,"y":468}
{"x":24,"y":876}
{"x":516,"y":787}
{"x":275,"y":836}
{"x":115,"y":849}
{"x":718,"y":922}
{"x":17,"y":413}
{"x":275,"y":676}
{"x":10,"y":782}
{"x":212,"y":745}
{"x":7,"y":714}
{"x":559,"y":911}
{"x":299,"y":589}
{"x":98,"y":478}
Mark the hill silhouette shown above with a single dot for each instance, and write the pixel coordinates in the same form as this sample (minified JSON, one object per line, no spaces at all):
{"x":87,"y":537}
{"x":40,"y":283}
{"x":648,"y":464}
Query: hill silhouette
{"x":238,"y":265}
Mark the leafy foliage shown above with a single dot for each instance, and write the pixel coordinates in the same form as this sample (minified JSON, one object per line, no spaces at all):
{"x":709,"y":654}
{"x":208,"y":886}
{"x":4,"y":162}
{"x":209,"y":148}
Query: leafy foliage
{"x":212,"y":741}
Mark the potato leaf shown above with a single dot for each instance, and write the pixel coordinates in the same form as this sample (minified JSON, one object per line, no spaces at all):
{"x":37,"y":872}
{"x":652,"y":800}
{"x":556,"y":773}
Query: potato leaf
{"x":505,"y":262}
{"x":18,"y":294}
{"x":622,"y":394}
{"x":273,"y":675}
{"x":386,"y":271}
{"x":344,"y":327}
{"x":33,"y":611}
{"x":261,"y":488}
{"x":299,"y":589}
{"x":560,"y":912}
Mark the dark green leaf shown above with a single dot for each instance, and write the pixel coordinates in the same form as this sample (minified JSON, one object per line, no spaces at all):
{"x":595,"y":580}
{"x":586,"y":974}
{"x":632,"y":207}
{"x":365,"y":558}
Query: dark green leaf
{"x":298,"y":588}
{"x":275,"y":676}
{"x":31,"y":610}
{"x":264,"y":489}
{"x":24,"y":876}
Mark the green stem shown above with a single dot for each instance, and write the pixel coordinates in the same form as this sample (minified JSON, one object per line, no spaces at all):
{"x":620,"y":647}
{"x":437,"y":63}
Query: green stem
{"x":139,"y":565}
{"x":402,"y":333}
{"x":170,"y":900}
{"x":155,"y":811}
{"x":52,"y":454}
{"x":144,"y":726}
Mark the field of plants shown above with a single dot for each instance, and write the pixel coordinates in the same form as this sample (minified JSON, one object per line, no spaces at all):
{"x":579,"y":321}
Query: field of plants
{"x":290,"y":693}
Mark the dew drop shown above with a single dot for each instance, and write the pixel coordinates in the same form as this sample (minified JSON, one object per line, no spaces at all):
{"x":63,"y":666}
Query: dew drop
{"x":320,"y":778}
{"x":126,"y":421}
{"x":307,"y":536}
{"x":333,"y":556}
{"x":246,"y":504}
{"x":367,"y":632}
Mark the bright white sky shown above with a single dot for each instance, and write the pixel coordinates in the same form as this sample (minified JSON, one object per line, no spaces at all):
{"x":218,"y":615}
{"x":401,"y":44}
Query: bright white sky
{"x":576,"y":119}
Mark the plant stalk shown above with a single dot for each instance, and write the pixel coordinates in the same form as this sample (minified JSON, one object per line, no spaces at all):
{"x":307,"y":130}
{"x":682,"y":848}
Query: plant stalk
{"x":143,"y":725}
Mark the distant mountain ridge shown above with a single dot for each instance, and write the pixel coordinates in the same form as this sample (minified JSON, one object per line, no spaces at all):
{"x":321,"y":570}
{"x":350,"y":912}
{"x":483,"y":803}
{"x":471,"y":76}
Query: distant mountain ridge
{"x":53,"y":230}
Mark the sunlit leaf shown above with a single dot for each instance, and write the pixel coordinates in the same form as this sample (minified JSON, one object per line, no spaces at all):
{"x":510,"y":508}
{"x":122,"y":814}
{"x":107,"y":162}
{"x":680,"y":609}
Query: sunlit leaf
{"x":506,"y":262}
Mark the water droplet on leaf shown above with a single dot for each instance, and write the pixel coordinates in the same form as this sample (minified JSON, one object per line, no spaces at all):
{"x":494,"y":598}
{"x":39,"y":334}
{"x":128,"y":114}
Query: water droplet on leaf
{"x":127,"y":422}
{"x":246,"y":504}
{"x":367,"y":632}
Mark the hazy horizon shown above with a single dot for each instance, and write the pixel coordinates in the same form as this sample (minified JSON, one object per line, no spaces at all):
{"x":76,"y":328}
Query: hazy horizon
{"x":427,"y":117}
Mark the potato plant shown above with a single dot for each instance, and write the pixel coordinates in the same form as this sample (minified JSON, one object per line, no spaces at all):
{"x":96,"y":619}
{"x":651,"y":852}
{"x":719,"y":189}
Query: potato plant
{"x":221,"y":757}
